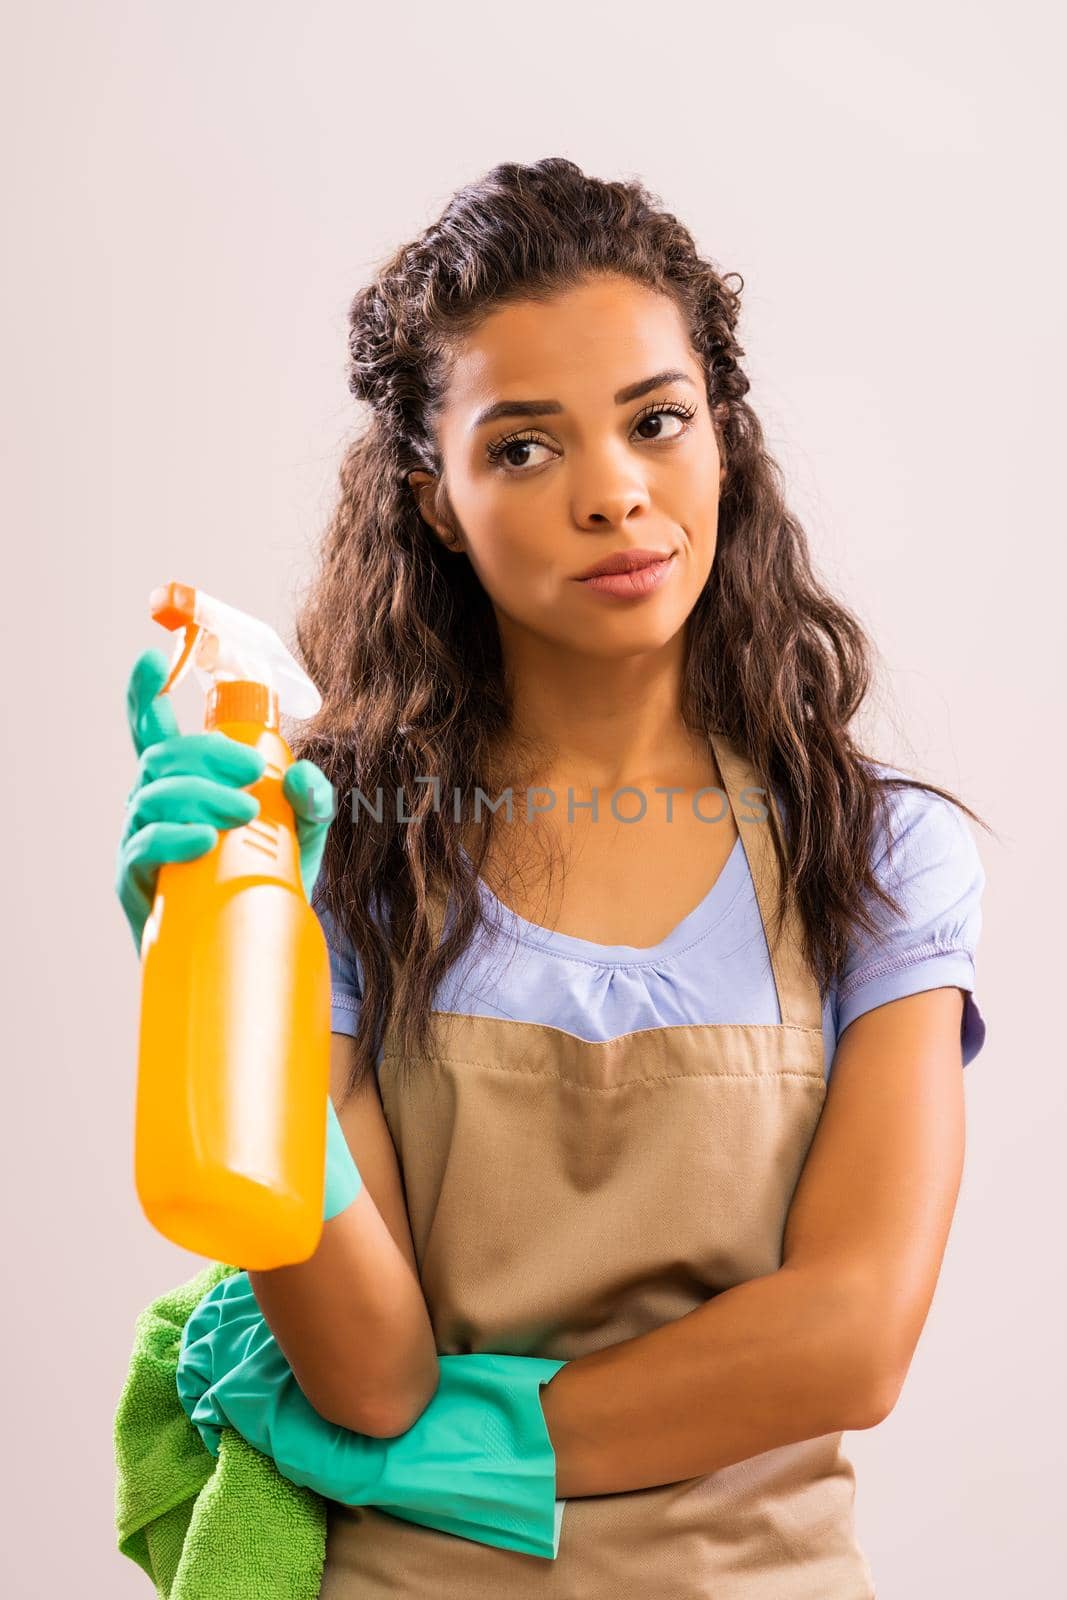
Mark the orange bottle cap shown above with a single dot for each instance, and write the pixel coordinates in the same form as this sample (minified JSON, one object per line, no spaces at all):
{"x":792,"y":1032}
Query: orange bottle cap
{"x":241,"y":700}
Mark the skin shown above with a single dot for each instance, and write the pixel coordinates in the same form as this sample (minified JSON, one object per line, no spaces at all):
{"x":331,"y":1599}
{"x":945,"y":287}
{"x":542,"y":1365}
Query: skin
{"x":595,"y":681}
{"x":823,"y":1343}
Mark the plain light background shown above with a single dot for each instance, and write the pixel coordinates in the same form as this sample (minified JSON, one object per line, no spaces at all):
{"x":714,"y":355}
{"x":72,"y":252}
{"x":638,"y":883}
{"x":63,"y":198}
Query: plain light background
{"x":192,"y":194}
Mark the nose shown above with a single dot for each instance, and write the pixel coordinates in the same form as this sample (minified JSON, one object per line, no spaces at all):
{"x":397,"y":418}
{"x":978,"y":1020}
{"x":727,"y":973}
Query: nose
{"x":610,"y":504}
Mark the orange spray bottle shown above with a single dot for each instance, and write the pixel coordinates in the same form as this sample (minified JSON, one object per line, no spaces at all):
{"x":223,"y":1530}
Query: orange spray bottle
{"x":233,"y":1056}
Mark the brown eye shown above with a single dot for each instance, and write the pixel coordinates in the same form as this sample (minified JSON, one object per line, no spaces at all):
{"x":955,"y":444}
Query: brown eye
{"x":671,"y":408}
{"x":497,"y":451}
{"x":500,"y":447}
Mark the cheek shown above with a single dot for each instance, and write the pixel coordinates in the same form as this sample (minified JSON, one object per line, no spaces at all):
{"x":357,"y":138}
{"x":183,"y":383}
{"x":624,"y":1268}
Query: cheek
{"x":514,"y":567}
{"x":699,"y":490}
{"x":699,"y":516}
{"x":512,"y":549}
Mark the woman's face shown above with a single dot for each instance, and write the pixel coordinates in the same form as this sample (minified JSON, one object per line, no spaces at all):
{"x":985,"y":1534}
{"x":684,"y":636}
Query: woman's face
{"x":601,"y":462}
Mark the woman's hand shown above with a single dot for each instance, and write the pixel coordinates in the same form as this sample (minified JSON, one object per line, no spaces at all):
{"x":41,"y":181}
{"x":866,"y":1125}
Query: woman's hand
{"x":188,"y":786}
{"x":310,"y":793}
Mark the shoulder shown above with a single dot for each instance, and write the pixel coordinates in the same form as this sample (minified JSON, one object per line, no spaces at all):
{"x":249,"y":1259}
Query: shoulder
{"x":923,"y":845}
{"x":925,"y":856}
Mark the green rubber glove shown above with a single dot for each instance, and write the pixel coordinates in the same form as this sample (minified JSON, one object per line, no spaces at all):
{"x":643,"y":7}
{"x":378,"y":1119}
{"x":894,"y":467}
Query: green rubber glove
{"x":343,"y":1177}
{"x":188,"y":786}
{"x":478,"y":1462}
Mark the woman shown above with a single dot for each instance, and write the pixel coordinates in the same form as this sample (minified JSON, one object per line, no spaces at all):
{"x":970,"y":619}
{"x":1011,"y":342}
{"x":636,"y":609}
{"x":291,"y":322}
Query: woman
{"x":658,"y":1072}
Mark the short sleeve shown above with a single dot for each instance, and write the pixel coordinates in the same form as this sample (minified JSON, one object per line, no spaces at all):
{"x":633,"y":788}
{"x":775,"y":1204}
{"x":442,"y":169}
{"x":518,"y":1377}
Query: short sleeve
{"x":936,"y":875}
{"x":346,"y":973}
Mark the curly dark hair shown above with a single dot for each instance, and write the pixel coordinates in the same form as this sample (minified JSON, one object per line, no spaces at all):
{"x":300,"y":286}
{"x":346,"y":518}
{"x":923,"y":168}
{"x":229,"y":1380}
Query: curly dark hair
{"x":402,"y":639}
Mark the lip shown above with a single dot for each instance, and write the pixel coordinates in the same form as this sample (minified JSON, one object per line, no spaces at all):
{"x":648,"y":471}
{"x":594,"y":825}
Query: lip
{"x":633,"y":582}
{"x":624,"y":561}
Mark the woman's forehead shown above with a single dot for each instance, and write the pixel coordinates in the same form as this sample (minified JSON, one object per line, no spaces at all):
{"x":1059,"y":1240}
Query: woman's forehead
{"x":583,"y":347}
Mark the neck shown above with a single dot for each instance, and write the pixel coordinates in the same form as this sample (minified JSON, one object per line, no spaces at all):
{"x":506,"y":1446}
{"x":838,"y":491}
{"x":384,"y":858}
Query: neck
{"x":598,"y":721}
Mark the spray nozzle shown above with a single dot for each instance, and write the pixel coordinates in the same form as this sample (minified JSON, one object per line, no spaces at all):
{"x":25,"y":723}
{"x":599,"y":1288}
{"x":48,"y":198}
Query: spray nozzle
{"x":224,"y":645}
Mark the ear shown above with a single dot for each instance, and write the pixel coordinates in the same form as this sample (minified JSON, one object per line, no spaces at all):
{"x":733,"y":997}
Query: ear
{"x":424,"y":487}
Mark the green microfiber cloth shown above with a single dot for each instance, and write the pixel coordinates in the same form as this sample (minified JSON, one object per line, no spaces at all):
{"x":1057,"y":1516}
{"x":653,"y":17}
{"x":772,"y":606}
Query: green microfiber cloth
{"x":204,"y":1527}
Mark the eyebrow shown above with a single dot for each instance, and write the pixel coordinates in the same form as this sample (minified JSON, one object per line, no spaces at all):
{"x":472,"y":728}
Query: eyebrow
{"x":544,"y":408}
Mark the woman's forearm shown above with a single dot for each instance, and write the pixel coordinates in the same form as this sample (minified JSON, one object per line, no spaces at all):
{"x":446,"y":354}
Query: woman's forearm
{"x":771,"y":1361}
{"x":352,"y":1323}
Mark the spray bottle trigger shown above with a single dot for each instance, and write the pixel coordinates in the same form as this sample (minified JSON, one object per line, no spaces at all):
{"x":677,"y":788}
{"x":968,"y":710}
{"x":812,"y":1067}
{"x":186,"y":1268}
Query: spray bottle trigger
{"x":181,"y":658}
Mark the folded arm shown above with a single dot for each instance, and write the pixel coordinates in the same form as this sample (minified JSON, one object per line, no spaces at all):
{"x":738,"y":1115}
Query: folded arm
{"x":824,"y":1343}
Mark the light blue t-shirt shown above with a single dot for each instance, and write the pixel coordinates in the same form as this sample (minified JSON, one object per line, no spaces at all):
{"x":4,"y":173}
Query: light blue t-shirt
{"x":715,"y":965}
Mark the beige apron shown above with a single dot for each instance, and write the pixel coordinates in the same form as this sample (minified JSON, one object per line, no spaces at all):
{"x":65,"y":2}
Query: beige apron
{"x":565,"y":1195}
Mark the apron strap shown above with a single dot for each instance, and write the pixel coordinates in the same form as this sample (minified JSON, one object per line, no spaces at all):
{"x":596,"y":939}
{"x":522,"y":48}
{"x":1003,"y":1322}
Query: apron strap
{"x":798,"y":992}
